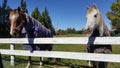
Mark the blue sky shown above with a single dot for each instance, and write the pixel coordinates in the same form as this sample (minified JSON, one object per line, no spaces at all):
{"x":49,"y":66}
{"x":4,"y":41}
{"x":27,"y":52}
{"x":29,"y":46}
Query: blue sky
{"x":66,"y":13}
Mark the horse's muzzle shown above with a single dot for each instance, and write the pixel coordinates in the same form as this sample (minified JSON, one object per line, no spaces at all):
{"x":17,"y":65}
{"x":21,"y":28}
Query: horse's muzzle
{"x":87,"y":31}
{"x":15,"y":33}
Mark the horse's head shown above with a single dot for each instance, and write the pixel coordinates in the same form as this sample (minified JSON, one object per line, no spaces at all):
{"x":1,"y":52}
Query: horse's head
{"x":93,"y":18}
{"x":17,"y":21}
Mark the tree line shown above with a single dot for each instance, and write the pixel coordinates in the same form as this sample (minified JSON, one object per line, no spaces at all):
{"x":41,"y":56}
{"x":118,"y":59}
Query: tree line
{"x":44,"y":18}
{"x":69,"y":31}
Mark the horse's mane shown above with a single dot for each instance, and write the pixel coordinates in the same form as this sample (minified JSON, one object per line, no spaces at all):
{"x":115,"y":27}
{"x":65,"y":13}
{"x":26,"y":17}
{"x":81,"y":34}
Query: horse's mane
{"x":102,"y":29}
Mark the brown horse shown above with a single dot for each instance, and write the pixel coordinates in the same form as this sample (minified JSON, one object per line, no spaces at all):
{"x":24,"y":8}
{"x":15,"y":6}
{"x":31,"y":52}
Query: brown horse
{"x":95,"y":27}
{"x":23,"y":25}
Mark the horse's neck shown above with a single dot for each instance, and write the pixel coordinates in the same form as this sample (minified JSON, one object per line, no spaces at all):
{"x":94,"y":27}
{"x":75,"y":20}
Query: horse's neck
{"x":95,"y":33}
{"x":103,"y":30}
{"x":26,"y":26}
{"x":29,"y":23}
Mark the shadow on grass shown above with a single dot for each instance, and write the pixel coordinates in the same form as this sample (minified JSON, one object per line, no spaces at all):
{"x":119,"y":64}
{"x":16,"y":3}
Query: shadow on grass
{"x":66,"y":64}
{"x":17,"y":60}
{"x":46,"y":63}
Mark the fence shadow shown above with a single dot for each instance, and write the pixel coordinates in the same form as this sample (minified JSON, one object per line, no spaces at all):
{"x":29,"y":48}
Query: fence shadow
{"x":7,"y":58}
{"x":66,"y":64}
{"x":47,"y":63}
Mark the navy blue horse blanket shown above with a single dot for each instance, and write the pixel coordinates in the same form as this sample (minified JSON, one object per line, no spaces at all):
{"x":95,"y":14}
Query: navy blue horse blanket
{"x":34,"y":29}
{"x":92,"y":48}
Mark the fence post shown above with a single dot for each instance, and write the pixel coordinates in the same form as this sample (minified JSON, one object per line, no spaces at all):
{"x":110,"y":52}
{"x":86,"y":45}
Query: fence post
{"x":12,"y":58}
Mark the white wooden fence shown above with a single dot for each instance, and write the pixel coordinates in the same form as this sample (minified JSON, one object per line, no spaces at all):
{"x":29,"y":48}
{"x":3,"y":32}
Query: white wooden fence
{"x":60,"y":54}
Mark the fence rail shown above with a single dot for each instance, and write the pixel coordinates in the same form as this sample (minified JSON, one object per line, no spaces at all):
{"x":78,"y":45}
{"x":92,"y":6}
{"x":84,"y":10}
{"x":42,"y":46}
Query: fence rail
{"x":66,"y":55}
{"x":62,"y":40}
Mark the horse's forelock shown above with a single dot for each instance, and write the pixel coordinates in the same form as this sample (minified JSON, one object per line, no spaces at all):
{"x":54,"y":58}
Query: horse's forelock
{"x":90,"y":10}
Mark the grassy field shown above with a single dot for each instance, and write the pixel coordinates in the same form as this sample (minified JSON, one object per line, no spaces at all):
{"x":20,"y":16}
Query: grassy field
{"x":21,"y":61}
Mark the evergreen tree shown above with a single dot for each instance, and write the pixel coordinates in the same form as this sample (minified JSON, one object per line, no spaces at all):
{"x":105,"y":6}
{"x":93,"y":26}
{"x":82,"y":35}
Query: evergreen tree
{"x":23,"y":6}
{"x":114,"y":16}
{"x":4,"y":12}
{"x":36,"y":14}
{"x":43,"y":18}
{"x":4,"y":4}
{"x":4,"y":21}
{"x":71,"y":30}
{"x":46,"y":20}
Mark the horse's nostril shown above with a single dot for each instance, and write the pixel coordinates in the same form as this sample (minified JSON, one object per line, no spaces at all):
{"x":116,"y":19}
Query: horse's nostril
{"x":16,"y":30}
{"x":88,"y":29}
{"x":14,"y":34}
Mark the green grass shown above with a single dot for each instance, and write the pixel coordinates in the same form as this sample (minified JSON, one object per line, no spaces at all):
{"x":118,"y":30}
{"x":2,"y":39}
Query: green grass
{"x":21,"y":61}
{"x":71,"y":35}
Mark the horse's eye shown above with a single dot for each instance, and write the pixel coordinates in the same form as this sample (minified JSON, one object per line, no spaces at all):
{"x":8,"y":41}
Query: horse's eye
{"x":95,"y":15}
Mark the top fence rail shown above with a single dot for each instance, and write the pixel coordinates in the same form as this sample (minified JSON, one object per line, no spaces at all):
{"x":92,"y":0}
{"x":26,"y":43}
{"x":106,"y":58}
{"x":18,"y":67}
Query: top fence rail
{"x":63,"y":40}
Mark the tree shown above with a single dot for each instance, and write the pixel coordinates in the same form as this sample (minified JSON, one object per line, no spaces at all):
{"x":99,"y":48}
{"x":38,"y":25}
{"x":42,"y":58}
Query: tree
{"x":4,"y":4}
{"x":46,"y":20}
{"x":4,"y":21}
{"x":62,"y":32}
{"x":23,"y":6}
{"x":43,"y":18}
{"x":114,"y":16}
{"x":36,"y":14}
{"x":4,"y":12}
{"x":71,"y":30}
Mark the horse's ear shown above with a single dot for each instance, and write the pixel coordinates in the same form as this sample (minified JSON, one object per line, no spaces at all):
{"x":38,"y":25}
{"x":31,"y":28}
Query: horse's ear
{"x":9,"y":9}
{"x":19,"y":9}
{"x":95,"y":6}
{"x":88,"y":8}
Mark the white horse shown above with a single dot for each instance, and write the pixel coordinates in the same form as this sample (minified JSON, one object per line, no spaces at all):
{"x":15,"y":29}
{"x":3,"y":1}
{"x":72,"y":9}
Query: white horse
{"x":95,"y":27}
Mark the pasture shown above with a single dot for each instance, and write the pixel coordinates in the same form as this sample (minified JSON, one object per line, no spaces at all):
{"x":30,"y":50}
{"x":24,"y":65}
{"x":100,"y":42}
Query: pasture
{"x":21,"y":62}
